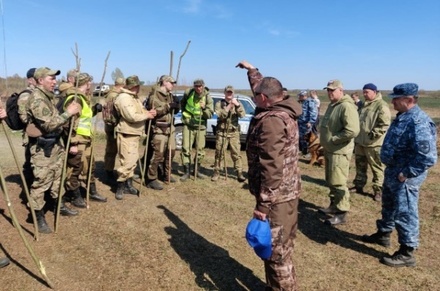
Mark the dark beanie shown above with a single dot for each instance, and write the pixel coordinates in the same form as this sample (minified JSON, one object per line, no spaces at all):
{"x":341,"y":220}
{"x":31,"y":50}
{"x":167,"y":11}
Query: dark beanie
{"x":30,"y":73}
{"x":370,"y":86}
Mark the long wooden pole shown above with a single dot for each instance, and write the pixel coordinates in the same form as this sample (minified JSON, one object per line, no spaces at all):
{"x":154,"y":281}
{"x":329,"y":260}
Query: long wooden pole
{"x":17,"y":225}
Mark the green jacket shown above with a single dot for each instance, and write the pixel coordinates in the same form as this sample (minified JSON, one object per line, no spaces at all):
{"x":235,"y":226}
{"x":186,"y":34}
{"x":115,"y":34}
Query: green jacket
{"x":339,"y":126}
{"x":375,"y":118}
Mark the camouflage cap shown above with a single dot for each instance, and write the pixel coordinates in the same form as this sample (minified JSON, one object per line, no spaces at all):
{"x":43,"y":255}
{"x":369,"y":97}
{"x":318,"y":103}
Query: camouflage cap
{"x":120,"y":81}
{"x":83,"y":78}
{"x":229,"y":88}
{"x":132,"y":81}
{"x":334,"y":84}
{"x":302,"y":93}
{"x":166,"y":78}
{"x":404,"y":90}
{"x":45,"y":71}
{"x":199,"y":82}
{"x":30,"y":73}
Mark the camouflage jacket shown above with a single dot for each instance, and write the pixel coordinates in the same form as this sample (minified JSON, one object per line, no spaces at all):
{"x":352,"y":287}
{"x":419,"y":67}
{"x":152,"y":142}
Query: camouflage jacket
{"x":43,"y":113}
{"x":224,"y":117}
{"x":160,"y":100}
{"x":272,"y":153}
{"x":374,"y":120}
{"x":131,"y":112}
{"x":22,"y":101}
{"x":410,"y":146}
{"x":339,"y":126}
{"x":309,"y":112}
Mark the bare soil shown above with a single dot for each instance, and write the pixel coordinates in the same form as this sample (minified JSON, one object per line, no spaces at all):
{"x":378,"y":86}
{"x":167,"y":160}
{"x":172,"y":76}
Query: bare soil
{"x":190,"y":236}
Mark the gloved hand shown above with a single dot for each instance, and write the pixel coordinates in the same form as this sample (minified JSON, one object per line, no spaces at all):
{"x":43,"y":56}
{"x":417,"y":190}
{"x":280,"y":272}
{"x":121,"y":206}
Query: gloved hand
{"x":174,"y":105}
{"x":98,"y":107}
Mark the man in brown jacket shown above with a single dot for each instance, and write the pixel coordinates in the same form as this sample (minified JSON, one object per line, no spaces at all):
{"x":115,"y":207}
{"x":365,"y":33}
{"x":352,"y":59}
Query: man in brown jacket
{"x":274,"y":178}
{"x":131,"y":125}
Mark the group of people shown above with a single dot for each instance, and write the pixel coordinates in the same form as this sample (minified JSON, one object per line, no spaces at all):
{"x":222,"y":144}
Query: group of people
{"x":399,"y":153}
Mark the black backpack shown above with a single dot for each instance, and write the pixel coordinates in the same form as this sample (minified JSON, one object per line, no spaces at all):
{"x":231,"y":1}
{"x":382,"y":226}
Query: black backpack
{"x":13,"y":119}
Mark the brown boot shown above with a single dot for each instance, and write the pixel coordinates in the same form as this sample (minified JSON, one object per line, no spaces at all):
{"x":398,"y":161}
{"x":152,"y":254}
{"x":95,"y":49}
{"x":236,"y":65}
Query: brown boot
{"x":215,"y":176}
{"x":240,"y":177}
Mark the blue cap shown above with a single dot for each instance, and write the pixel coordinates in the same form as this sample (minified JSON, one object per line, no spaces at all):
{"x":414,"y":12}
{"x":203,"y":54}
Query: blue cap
{"x":370,"y":86}
{"x":259,"y":237}
{"x":405,"y":89}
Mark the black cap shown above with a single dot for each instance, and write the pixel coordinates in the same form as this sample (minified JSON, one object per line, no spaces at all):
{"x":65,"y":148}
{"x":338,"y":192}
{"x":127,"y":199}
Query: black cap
{"x":30,"y":73}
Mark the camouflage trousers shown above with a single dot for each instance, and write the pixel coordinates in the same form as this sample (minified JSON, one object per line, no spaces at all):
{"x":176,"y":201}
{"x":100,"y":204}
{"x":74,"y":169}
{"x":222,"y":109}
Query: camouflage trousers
{"x":303,"y":144}
{"x":191,"y":135}
{"x":279,"y":269}
{"x":111,"y":148}
{"x":400,"y":206}
{"x":336,"y":175}
{"x":160,"y":148}
{"x":46,"y":172}
{"x":128,"y":155}
{"x":78,"y":167}
{"x":221,"y":145}
{"x":368,"y":156}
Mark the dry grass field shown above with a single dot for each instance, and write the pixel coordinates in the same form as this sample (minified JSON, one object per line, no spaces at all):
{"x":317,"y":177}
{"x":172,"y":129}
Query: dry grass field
{"x":190,"y":236}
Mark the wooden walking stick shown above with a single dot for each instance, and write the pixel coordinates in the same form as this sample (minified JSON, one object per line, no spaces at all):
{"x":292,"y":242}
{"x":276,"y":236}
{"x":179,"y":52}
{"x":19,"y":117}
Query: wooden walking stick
{"x":196,"y":164}
{"x":17,"y":225}
{"x":23,"y":180}
{"x":89,"y":169}
{"x":145,"y":155}
{"x":72,"y":121}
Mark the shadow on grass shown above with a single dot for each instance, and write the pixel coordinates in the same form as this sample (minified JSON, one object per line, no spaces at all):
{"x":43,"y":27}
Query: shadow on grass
{"x":311,"y":224}
{"x":214,"y":269}
{"x":320,"y":182}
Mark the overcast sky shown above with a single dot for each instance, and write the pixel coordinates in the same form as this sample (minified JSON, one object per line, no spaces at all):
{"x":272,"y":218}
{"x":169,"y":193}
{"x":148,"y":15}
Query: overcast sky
{"x":302,"y":43}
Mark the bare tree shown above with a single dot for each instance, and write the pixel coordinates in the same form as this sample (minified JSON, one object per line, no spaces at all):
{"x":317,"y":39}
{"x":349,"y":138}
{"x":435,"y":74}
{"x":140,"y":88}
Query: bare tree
{"x":117,"y":73}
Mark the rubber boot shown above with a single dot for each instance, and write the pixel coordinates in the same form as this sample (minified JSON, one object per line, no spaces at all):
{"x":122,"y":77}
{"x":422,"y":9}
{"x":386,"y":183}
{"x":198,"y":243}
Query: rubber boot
{"x":41,"y":222}
{"x":77,"y":199}
{"x":240,"y":177}
{"x":339,"y":218}
{"x":186,"y":174}
{"x":379,"y":237}
{"x":129,"y":189}
{"x":404,"y":257}
{"x":198,"y":174}
{"x":94,"y":195}
{"x":120,"y":191}
{"x":154,"y":184}
{"x":66,"y":211}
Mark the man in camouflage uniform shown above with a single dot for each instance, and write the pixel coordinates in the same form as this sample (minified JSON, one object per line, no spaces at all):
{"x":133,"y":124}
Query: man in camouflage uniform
{"x":163,"y":140}
{"x":4,"y":261}
{"x":408,"y":151}
{"x":110,"y":121}
{"x":306,"y":120}
{"x":21,"y":102}
{"x":47,"y":151}
{"x":338,"y":128}
{"x":228,"y":110}
{"x":79,"y":157}
{"x":274,"y":177}
{"x":131,"y":125}
{"x":197,"y":107}
{"x":63,"y":87}
{"x":375,"y":118}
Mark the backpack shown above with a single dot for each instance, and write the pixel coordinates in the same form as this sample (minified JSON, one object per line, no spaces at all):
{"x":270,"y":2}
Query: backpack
{"x":13,"y":119}
{"x":109,"y":113}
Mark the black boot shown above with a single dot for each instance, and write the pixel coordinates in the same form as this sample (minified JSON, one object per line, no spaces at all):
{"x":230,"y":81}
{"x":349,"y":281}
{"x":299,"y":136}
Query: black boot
{"x":77,"y":199}
{"x":171,"y":179}
{"x":187,"y":173}
{"x":66,"y":211}
{"x":154,"y":184}
{"x":41,"y":222}
{"x":4,"y":262}
{"x":380,"y":238}
{"x":129,"y":189}
{"x":404,"y":257}
{"x":120,"y":191}
{"x":94,"y":195}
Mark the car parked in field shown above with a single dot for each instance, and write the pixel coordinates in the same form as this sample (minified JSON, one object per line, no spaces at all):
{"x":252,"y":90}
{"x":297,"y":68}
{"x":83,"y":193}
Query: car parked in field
{"x":248,"y":106}
{"x":104,"y":89}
